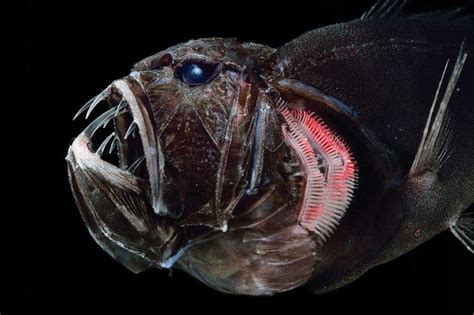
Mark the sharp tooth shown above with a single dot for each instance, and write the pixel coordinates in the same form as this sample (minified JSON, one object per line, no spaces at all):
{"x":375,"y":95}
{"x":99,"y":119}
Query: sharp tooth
{"x":97,"y":100}
{"x":101,"y":120}
{"x":130,"y":129}
{"x":92,"y":103}
{"x":113,"y":145}
{"x":135,"y":164}
{"x":94,"y":125}
{"x":84,"y":108}
{"x":119,"y":107}
{"x":101,"y":149}
{"x":107,"y":121}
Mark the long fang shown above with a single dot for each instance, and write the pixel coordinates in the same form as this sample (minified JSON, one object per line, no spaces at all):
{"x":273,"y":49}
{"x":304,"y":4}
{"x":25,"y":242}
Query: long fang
{"x":92,"y":103}
{"x":102,"y":147}
{"x":119,"y":107}
{"x":98,"y":99}
{"x":113,"y":145}
{"x":101,"y":120}
{"x":84,"y":108}
{"x":130,"y":129}
{"x":135,"y":164}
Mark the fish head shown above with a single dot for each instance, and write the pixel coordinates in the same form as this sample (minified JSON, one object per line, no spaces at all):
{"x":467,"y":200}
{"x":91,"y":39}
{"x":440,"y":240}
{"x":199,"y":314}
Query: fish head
{"x":209,"y":138}
{"x":186,"y":123}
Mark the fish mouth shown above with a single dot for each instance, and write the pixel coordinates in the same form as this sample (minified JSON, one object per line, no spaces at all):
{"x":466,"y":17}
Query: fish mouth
{"x":121,"y":144}
{"x":114,"y":172}
{"x":121,"y":141}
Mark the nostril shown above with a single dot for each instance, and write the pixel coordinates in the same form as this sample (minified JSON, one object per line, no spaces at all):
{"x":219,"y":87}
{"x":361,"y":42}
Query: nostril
{"x":154,"y":62}
{"x":147,"y":76}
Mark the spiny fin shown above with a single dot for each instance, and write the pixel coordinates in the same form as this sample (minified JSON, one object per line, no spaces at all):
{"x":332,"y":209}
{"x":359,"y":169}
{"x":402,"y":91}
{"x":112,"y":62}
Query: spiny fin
{"x":461,"y":15}
{"x":433,"y":149}
{"x":384,"y":8}
{"x":463,"y":228}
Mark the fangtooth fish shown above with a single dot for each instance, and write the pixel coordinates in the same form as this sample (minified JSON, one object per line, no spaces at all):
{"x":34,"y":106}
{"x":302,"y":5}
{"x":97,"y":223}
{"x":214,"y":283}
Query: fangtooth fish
{"x":258,"y":170}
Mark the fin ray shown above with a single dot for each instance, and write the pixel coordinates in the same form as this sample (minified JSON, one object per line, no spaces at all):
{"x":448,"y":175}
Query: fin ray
{"x":463,"y":228}
{"x":384,"y":8}
{"x":434,"y":146}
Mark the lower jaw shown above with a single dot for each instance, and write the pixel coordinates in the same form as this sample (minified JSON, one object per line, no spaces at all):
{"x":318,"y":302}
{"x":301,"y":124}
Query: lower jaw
{"x":236,"y":264}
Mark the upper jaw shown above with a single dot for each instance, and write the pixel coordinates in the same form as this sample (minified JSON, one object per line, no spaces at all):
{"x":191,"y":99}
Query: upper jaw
{"x":130,"y":110}
{"x":119,"y":200}
{"x":87,"y":153}
{"x":132,"y":91}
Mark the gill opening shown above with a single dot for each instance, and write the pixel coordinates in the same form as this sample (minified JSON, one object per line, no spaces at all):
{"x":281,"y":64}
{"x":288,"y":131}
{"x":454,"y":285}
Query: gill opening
{"x":329,"y":168}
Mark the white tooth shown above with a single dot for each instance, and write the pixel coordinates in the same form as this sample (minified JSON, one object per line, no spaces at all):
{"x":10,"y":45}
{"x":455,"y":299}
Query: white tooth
{"x":135,"y":164}
{"x":102,"y":120}
{"x":113,"y":145}
{"x":84,"y":108}
{"x":97,"y":100}
{"x":99,"y":121}
{"x":119,"y":107}
{"x":130,"y":129}
{"x":101,"y":149}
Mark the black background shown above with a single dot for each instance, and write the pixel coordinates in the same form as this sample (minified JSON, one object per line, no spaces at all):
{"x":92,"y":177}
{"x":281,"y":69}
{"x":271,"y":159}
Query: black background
{"x":73,"y":50}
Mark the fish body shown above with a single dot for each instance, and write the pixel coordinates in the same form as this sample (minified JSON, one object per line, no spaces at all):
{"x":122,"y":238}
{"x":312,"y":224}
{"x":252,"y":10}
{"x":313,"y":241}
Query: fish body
{"x":258,"y":170}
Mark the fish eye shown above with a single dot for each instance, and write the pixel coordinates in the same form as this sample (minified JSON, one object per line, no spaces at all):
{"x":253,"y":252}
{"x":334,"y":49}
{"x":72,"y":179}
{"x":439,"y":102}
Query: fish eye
{"x":197,"y":72}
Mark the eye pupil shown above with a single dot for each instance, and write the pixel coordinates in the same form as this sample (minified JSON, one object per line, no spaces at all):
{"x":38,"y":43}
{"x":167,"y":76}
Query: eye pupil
{"x":194,"y":73}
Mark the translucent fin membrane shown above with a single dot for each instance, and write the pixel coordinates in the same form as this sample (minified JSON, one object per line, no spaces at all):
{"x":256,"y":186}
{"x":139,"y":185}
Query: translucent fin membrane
{"x":330,"y":169}
{"x":434,"y":146}
{"x":463,"y":228}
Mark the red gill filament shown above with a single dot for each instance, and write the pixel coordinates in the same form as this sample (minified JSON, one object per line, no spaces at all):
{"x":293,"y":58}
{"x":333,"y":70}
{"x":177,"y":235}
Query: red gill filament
{"x":325,"y":198}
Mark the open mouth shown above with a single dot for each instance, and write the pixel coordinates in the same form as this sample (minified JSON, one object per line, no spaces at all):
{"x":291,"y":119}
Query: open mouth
{"x":115,"y":175}
{"x":117,"y":141}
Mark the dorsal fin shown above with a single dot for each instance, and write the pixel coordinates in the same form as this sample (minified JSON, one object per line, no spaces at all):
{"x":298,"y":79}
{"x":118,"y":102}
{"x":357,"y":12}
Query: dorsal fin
{"x":433,"y":149}
{"x":384,"y":8}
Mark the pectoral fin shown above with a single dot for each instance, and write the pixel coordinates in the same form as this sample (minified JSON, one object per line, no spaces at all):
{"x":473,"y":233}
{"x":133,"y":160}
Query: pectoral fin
{"x":463,"y":228}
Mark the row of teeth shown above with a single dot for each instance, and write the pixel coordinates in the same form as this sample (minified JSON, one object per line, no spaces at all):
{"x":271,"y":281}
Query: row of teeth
{"x":103,"y":121}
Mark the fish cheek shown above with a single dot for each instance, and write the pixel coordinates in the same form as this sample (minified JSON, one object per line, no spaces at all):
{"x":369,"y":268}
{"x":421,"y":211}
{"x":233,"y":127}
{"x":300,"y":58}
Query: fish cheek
{"x":191,"y":124}
{"x":190,"y":145}
{"x":190,"y":161}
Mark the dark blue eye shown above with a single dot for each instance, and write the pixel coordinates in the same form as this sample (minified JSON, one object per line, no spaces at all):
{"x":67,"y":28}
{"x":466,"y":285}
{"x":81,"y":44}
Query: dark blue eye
{"x":197,"y":73}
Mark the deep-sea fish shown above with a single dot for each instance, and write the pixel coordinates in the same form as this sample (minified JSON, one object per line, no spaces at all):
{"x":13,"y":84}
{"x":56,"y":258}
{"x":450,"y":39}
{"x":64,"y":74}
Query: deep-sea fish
{"x":258,"y":170}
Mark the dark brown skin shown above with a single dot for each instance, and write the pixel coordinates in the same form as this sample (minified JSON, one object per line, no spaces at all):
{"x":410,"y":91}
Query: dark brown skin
{"x":410,"y":210}
{"x":220,"y":191}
